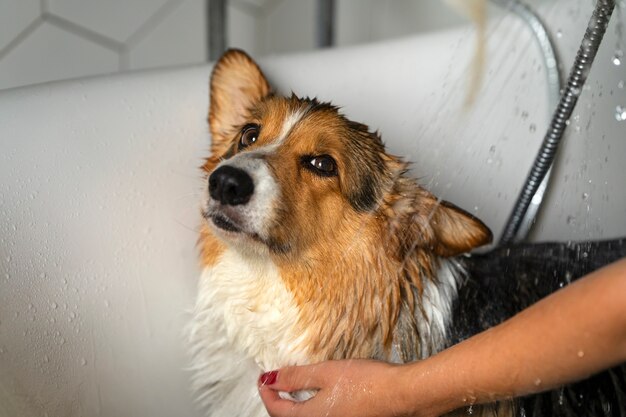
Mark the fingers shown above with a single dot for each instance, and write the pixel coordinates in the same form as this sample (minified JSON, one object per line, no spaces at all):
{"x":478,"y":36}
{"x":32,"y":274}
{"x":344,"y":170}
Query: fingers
{"x":287,"y":380}
{"x":293,"y":378}
{"x":276,"y":406}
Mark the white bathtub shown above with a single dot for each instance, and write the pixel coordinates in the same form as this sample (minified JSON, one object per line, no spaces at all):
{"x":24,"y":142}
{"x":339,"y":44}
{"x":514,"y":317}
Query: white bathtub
{"x":99,"y":192}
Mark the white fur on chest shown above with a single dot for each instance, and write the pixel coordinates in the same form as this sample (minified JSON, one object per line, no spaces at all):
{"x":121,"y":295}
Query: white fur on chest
{"x":258,"y":314}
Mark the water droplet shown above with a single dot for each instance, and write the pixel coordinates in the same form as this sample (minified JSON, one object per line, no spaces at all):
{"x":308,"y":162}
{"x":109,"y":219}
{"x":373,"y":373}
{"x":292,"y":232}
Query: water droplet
{"x":620,"y":84}
{"x":42,"y":275}
{"x":561,"y":396}
{"x":585,"y":196}
{"x":568,"y":276}
{"x":524,"y":115}
{"x":83,"y":361}
{"x":46,"y":359}
{"x":106,"y":303}
{"x":522,"y":411}
{"x":55,"y":306}
{"x":617,"y":57}
{"x":470,"y":410}
{"x":581,"y":353}
{"x":532,"y":128}
{"x":537,"y":382}
{"x":620,"y":113}
{"x":559,"y":33}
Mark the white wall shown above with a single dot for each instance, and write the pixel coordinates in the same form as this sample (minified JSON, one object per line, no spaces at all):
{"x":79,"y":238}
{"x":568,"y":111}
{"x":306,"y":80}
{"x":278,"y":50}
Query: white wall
{"x":45,"y":40}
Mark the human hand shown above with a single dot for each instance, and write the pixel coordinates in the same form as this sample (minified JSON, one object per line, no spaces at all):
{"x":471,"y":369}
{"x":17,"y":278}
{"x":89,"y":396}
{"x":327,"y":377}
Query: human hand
{"x":345,"y":388}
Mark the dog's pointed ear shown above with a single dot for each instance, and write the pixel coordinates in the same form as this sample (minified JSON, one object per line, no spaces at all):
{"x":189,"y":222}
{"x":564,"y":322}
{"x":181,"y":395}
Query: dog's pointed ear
{"x":237,"y":83}
{"x":455,"y":230}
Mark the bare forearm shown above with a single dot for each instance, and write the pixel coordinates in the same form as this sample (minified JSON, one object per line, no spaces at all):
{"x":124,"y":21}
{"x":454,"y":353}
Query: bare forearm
{"x":565,"y":337}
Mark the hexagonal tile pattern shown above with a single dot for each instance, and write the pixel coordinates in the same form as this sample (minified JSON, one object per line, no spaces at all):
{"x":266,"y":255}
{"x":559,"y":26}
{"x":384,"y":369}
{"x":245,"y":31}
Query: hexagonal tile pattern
{"x":116,"y":19}
{"x":15,"y":16}
{"x":50,"y":53}
{"x":180,"y":38}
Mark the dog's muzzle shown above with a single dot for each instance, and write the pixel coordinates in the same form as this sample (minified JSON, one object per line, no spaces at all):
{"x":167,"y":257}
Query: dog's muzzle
{"x":231,"y":186}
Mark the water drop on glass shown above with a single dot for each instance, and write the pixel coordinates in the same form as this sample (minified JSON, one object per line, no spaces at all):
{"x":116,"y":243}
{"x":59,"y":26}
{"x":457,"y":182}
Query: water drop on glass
{"x":620,"y":84}
{"x":617,"y":57}
{"x":620,"y":113}
{"x":83,"y":361}
{"x":532,"y":128}
{"x":559,"y":33}
{"x":537,"y":382}
{"x":581,"y":353}
{"x":585,"y":196}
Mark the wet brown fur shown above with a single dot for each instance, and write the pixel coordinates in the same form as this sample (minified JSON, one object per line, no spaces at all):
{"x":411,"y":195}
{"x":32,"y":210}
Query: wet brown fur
{"x":354,"y":250}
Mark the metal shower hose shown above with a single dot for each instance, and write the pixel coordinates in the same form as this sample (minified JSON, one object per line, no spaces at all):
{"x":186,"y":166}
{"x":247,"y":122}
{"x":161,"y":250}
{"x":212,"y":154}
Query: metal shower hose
{"x":576,"y":80}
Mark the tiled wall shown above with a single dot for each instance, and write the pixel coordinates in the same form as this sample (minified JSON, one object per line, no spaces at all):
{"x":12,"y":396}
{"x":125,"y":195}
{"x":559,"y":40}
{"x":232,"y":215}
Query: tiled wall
{"x":44,"y":40}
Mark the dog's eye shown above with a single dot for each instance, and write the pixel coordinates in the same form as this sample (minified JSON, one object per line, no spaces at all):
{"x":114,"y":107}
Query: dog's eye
{"x":323,"y":165}
{"x":249,"y":135}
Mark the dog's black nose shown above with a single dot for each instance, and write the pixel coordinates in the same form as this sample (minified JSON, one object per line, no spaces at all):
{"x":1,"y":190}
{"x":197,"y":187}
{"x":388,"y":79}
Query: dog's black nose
{"x":231,"y":186}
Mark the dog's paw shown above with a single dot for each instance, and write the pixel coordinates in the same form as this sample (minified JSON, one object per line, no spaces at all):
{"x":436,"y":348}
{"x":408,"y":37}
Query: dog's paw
{"x":298,"y":396}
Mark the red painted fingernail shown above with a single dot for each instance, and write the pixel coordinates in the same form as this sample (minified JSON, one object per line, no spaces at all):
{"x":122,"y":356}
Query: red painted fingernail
{"x":268,"y":378}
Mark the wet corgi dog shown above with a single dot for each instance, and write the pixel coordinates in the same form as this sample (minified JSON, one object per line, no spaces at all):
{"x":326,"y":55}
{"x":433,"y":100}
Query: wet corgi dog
{"x":317,"y":245}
